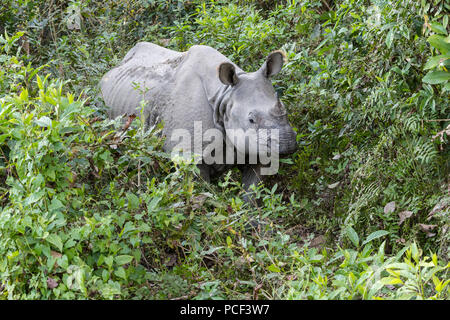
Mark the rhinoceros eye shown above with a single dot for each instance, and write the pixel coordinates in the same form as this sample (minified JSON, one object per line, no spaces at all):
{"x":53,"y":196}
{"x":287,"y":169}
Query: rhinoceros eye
{"x":251,"y":120}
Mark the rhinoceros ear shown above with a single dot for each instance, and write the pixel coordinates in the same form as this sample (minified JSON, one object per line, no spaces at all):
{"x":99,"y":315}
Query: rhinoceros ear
{"x":273,"y":63}
{"x":227,"y":74}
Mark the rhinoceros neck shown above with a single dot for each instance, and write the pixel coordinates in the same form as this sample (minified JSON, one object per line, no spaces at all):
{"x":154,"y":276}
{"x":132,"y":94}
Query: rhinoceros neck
{"x":218,"y":102}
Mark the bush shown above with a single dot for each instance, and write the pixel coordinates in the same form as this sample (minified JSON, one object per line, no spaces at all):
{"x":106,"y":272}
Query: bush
{"x":92,"y":208}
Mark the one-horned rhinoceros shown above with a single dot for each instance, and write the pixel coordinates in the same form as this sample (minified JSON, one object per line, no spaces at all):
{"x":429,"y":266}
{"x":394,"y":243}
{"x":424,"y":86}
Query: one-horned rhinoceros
{"x":209,"y":106}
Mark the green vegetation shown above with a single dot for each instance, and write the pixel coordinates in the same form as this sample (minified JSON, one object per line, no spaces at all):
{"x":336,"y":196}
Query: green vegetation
{"x":91,"y":210}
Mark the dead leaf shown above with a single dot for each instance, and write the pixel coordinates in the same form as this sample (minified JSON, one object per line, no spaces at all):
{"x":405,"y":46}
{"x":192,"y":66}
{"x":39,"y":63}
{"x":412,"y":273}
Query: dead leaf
{"x":440,"y":135}
{"x":51,"y":283}
{"x":94,"y":168}
{"x":171,"y":259}
{"x":337,"y":157}
{"x":61,"y":70}
{"x":26,"y":45}
{"x":334,"y":185}
{"x":389,"y":208}
{"x":74,"y":18}
{"x":198,"y":201}
{"x":256,"y":290}
{"x":129,"y":122}
{"x":404,"y":215}
{"x":55,"y":254}
{"x":427,"y":229}
{"x":440,"y":206}
{"x":317,"y":241}
{"x":164,"y":42}
{"x":176,"y":205}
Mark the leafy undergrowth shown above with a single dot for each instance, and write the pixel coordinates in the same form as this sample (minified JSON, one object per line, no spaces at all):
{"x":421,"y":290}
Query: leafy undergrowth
{"x":91,"y":208}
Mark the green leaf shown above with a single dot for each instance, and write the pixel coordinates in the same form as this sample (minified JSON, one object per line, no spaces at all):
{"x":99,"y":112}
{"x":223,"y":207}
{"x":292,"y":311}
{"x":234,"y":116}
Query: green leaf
{"x":273,"y":268}
{"x":109,"y":261}
{"x":375,"y":235}
{"x":415,"y":252}
{"x":39,"y":82}
{"x":34,"y":197}
{"x":389,"y":38}
{"x":229,"y":241}
{"x":435,"y":61}
{"x":3,"y":137}
{"x":436,"y":77}
{"x":123,"y":259}
{"x":121,"y":273}
{"x":151,"y":206}
{"x":434,"y":259}
{"x":133,"y":200}
{"x":436,"y":27}
{"x":391,"y":280}
{"x":437,"y":283}
{"x":440,"y":43}
{"x":55,"y":205}
{"x":55,"y":240}
{"x":44,"y":122}
{"x":351,"y":234}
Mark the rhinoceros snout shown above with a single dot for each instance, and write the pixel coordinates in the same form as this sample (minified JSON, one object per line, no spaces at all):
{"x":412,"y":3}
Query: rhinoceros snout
{"x":288,"y":141}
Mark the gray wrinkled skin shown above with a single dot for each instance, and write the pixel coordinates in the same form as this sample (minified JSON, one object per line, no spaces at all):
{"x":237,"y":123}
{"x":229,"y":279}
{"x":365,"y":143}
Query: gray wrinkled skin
{"x":199,"y":85}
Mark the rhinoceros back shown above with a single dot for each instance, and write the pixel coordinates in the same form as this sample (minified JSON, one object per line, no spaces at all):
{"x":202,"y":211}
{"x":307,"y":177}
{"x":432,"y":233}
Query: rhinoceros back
{"x":142,"y":74}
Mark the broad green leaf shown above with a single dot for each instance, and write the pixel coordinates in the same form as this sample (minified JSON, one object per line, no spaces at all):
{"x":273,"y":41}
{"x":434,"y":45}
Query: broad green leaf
{"x":435,"y":61}
{"x":375,"y":235}
{"x":211,"y":250}
{"x":434,"y":259}
{"x":437,"y":283}
{"x":109,"y":261}
{"x":55,"y":205}
{"x":121,"y":273}
{"x":436,"y":77}
{"x":151,"y":205}
{"x":3,"y":137}
{"x":63,"y":262}
{"x":415,"y":252}
{"x":273,"y":268}
{"x":34,"y":197}
{"x":351,"y":233}
{"x":397,"y":265}
{"x":389,"y":38}
{"x":133,"y":200}
{"x":39,"y":82}
{"x":13,"y":255}
{"x":55,"y":240}
{"x":436,"y":27}
{"x":44,"y":122}
{"x":24,"y":95}
{"x":391,"y":280}
{"x":440,"y":43}
{"x":123,"y":259}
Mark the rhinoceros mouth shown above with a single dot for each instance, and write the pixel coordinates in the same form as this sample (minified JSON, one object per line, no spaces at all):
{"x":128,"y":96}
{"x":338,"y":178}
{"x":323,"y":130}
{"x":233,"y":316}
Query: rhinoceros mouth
{"x":289,"y":150}
{"x":288,"y":145}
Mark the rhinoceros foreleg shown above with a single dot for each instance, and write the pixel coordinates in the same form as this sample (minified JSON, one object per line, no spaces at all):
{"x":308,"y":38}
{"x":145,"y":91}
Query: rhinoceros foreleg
{"x":251,"y":175}
{"x":205,"y":172}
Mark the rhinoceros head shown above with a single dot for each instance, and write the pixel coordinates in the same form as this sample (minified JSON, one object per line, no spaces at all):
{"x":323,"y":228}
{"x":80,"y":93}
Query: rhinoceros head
{"x":252,"y":105}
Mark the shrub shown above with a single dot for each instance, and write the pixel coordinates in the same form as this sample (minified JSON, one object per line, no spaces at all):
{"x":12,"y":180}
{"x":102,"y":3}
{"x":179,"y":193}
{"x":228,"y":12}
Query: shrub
{"x":92,"y":208}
